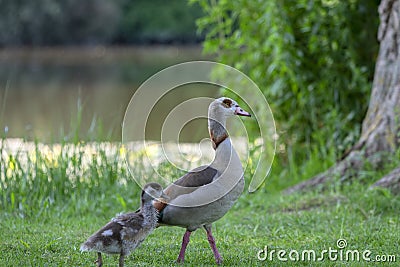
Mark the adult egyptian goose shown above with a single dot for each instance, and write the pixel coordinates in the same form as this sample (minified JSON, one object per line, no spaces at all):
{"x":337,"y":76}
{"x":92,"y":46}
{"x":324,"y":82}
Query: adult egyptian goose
{"x":205,"y":194}
{"x":127,"y":231}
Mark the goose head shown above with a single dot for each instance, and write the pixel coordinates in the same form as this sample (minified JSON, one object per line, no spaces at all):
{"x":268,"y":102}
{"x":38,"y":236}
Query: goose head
{"x":218,"y":112}
{"x":153,"y":191}
{"x":225,"y":107}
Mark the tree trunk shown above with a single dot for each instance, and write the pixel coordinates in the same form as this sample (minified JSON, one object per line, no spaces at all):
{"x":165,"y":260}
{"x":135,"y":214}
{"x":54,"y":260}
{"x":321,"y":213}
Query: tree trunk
{"x":380,"y":135}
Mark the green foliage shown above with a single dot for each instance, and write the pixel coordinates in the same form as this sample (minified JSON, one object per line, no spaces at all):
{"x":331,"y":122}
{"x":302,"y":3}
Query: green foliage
{"x":158,"y":21}
{"x":313,"y":60}
{"x":67,"y":22}
{"x":57,"y":22}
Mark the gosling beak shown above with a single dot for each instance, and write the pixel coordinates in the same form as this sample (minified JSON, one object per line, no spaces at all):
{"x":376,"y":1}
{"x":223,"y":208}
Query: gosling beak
{"x":164,"y":197}
{"x":240,"y":112}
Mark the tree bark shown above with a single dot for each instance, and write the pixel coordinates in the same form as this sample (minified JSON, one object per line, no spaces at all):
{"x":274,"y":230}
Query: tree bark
{"x":380,"y":129}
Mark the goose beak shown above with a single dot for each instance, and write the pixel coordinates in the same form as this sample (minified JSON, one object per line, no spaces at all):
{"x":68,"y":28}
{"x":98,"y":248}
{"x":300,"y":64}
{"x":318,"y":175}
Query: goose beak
{"x":240,"y":112}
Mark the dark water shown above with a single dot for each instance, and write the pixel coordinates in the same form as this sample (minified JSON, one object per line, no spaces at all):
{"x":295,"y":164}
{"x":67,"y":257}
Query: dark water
{"x":81,"y":93}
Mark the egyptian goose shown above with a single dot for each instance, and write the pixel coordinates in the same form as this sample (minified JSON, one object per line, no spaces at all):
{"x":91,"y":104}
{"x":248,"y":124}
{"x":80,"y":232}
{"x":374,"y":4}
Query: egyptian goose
{"x":205,"y":194}
{"x":127,"y":231}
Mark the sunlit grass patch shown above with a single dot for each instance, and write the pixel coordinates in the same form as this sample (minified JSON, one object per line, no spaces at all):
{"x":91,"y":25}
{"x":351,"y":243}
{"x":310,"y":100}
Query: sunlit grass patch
{"x":37,"y":176}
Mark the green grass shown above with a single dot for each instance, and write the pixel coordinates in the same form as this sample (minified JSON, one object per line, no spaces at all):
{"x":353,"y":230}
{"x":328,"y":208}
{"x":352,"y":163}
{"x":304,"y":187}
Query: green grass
{"x":49,"y":206}
{"x":367,"y":220}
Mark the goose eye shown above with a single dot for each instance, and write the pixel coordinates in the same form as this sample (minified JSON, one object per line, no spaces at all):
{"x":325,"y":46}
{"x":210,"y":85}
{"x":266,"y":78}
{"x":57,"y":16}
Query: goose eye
{"x":227,"y":103}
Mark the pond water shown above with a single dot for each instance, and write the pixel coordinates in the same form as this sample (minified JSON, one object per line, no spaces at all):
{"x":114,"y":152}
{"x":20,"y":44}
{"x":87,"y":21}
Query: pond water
{"x":71,"y":94}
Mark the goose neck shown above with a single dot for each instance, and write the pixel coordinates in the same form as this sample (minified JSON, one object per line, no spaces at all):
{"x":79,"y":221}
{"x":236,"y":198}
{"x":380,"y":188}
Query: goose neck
{"x":217,"y":129}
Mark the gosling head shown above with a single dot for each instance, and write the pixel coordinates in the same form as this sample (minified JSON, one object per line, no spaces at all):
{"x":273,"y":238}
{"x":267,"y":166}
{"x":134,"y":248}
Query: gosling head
{"x":153,"y":191}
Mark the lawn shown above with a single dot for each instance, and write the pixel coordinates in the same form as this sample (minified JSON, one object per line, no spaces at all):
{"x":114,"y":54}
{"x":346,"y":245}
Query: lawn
{"x":43,"y":223}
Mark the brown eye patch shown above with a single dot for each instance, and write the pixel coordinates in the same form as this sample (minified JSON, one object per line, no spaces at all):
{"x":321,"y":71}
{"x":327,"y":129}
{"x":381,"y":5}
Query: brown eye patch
{"x":227,"y":102}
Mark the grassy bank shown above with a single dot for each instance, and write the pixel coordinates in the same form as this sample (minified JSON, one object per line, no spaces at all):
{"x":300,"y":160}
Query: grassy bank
{"x":366,"y":220}
{"x":53,"y":199}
